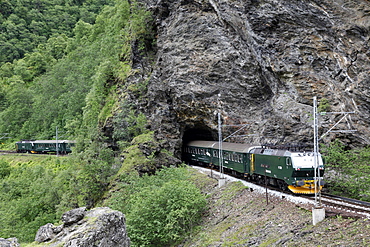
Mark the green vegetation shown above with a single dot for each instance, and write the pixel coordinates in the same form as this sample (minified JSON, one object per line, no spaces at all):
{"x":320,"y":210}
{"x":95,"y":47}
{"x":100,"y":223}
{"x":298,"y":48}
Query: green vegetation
{"x":65,"y":64}
{"x":32,"y":193}
{"x":70,"y":80}
{"x":27,"y":25}
{"x":347,"y":171}
{"x":324,"y":105}
{"x":160,"y":209}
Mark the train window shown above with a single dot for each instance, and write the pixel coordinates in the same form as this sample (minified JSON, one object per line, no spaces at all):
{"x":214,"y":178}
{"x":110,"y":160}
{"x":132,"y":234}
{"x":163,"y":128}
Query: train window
{"x":226,"y":156}
{"x":215,"y":153}
{"x":288,"y":161}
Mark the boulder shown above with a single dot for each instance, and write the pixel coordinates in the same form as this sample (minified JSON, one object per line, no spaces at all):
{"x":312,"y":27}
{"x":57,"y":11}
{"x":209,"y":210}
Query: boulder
{"x":10,"y":242}
{"x":73,"y":216}
{"x":98,"y":227}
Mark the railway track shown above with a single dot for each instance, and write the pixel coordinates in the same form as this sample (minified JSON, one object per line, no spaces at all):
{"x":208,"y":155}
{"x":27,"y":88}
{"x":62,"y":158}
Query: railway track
{"x":334,"y":205}
{"x":7,"y":152}
{"x":345,"y":206}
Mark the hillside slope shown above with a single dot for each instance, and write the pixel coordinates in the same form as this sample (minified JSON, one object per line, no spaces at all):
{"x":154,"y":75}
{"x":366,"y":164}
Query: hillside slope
{"x":238,"y":216}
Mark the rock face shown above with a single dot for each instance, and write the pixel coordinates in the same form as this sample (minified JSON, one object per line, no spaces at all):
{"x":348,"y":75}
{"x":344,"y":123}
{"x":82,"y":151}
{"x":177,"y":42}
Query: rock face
{"x":10,"y":242}
{"x":98,"y":227}
{"x":259,"y":63}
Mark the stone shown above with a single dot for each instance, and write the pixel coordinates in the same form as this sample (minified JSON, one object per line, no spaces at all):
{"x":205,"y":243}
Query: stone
{"x":9,"y":242}
{"x":45,"y":233}
{"x":73,"y":215}
{"x":99,"y":227}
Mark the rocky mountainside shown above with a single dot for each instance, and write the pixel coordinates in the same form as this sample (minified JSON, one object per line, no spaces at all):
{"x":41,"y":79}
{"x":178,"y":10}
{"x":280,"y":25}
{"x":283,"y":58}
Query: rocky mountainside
{"x":259,"y":63}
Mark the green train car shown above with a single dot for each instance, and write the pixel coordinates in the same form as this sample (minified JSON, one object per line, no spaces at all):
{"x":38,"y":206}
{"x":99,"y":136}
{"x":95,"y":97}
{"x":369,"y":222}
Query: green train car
{"x":44,"y":146}
{"x":278,"y":167}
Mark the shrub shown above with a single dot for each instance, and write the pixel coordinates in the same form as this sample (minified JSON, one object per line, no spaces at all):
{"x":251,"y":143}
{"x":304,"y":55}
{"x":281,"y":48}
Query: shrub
{"x":348,"y":171}
{"x":160,"y":209}
{"x":161,"y":216}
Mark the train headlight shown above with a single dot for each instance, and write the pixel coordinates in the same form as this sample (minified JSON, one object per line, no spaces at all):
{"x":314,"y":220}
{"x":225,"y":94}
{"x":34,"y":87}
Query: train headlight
{"x":300,"y":183}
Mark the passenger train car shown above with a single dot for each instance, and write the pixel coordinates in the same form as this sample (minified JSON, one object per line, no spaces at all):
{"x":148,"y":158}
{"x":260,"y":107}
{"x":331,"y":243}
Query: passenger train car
{"x":282,"y":168}
{"x":44,"y":146}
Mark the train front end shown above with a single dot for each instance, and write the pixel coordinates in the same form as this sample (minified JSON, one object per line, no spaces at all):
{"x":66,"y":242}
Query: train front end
{"x":304,"y":166}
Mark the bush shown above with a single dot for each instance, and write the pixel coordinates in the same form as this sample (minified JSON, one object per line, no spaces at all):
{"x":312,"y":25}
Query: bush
{"x":347,"y":171}
{"x":160,"y":209}
{"x":4,"y":169}
{"x":30,"y":194}
{"x":162,"y":216}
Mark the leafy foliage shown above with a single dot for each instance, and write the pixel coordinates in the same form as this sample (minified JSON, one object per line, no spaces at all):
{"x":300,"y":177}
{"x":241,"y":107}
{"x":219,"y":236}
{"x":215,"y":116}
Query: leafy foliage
{"x":68,"y":79}
{"x":27,"y":24}
{"x":348,"y":171}
{"x":4,"y":169}
{"x":160,"y":209}
{"x":30,"y":193}
{"x":324,"y":105}
{"x":128,"y":124}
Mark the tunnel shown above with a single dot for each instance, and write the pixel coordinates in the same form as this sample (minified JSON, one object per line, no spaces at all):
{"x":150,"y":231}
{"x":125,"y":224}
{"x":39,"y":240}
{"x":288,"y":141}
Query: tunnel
{"x":199,"y":133}
{"x":203,"y":133}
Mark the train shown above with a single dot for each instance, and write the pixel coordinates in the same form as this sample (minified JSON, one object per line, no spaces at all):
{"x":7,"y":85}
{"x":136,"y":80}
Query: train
{"x":287,"y":169}
{"x":44,"y":146}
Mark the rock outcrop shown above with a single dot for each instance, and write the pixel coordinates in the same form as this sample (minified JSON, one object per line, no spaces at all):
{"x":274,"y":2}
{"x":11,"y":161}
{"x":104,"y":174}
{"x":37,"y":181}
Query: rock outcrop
{"x":9,"y":242}
{"x":260,"y":63}
{"x":99,"y":227}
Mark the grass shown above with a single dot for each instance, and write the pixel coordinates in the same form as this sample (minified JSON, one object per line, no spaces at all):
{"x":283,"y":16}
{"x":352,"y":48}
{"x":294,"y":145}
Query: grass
{"x":50,"y":161}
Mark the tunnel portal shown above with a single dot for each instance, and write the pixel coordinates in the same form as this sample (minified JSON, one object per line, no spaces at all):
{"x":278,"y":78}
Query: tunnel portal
{"x":199,"y":133}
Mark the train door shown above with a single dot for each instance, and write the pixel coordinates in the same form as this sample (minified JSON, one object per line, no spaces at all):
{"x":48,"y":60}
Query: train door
{"x":252,"y":163}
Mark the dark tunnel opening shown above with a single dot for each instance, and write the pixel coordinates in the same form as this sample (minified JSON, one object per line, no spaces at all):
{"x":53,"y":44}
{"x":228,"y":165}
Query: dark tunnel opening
{"x":198,"y":133}
{"x":204,"y":134}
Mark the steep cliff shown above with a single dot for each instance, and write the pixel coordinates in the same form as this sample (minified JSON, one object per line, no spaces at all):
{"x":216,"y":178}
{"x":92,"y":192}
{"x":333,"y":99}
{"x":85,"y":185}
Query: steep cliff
{"x":260,"y":63}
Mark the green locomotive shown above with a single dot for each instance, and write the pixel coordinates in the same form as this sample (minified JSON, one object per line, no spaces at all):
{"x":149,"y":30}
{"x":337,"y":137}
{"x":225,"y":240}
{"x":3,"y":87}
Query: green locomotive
{"x":278,"y":167}
{"x":44,"y":146}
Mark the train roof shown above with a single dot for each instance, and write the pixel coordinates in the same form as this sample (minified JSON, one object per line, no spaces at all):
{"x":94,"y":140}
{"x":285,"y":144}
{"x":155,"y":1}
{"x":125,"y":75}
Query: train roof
{"x":228,"y":146}
{"x":46,"y":141}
